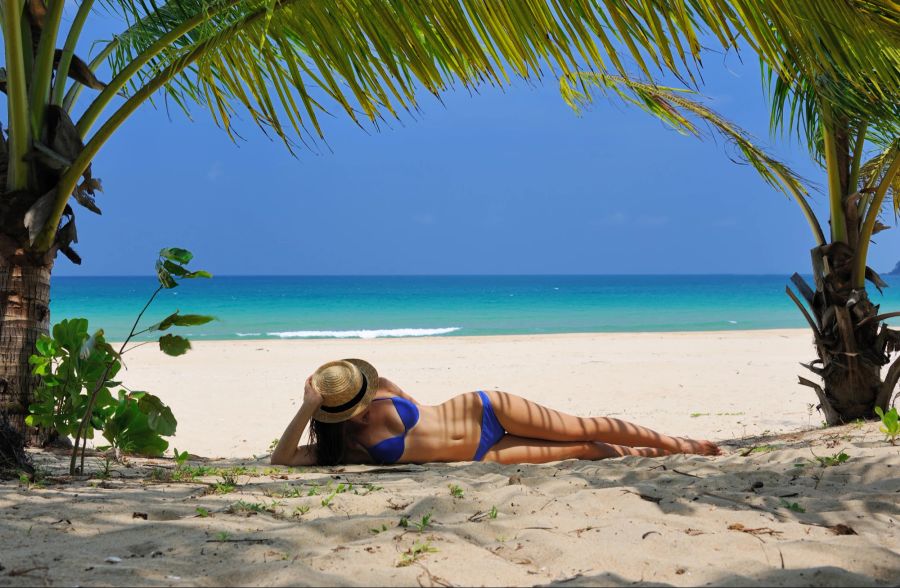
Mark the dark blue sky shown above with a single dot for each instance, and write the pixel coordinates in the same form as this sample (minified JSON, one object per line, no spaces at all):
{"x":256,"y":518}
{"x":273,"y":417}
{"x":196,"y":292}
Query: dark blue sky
{"x":506,"y":181}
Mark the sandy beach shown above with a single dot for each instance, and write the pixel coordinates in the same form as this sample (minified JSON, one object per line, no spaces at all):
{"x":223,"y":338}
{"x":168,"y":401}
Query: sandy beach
{"x":232,"y":398}
{"x":767,"y":512}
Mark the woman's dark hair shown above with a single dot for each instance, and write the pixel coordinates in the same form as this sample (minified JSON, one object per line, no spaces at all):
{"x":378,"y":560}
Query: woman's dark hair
{"x":329,"y":440}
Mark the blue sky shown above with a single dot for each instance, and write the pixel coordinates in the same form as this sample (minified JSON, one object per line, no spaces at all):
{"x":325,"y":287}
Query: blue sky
{"x":503,"y":181}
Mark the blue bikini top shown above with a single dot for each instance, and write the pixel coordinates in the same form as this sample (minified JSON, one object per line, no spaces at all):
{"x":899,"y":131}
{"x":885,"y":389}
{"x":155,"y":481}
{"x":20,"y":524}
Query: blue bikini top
{"x":390,"y":450}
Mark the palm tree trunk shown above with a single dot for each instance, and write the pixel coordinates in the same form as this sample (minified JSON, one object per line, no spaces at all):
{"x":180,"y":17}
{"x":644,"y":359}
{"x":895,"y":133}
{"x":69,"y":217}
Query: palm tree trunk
{"x":851,"y":341}
{"x":24,"y":316}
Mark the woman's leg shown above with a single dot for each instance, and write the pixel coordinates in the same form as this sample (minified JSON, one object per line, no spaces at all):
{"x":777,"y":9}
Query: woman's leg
{"x":513,"y":449}
{"x":524,"y":418}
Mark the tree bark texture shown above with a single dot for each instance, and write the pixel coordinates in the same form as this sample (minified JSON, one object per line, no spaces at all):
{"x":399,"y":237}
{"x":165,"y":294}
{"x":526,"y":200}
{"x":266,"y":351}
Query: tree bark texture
{"x":852,"y":342}
{"x":24,"y":316}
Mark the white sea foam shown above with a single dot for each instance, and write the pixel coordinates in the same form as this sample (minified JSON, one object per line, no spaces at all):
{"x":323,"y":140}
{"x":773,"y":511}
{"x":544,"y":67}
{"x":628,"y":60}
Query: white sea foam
{"x":363,"y":334}
{"x":248,"y":334}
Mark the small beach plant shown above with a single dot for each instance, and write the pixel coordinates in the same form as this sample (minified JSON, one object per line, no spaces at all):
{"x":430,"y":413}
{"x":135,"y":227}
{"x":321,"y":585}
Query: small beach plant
{"x":792,"y":506}
{"x":415,"y":552}
{"x":180,"y":458}
{"x":424,"y":523}
{"x":78,"y":377}
{"x":890,"y":423}
{"x":828,"y":461}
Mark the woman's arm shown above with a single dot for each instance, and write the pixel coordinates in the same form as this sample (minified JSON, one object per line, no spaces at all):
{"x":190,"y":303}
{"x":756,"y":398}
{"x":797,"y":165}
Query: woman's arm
{"x":392,"y":388}
{"x":287,"y":451}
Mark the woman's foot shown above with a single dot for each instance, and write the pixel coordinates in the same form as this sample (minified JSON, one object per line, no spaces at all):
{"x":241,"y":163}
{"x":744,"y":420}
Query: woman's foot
{"x":697,"y":446}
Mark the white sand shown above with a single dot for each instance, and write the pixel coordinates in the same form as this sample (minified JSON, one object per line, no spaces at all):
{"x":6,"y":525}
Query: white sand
{"x":680,"y":520}
{"x":233,"y":398}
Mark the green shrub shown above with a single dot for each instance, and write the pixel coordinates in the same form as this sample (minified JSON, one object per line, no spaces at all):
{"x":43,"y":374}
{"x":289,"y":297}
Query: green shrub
{"x":79,"y":393}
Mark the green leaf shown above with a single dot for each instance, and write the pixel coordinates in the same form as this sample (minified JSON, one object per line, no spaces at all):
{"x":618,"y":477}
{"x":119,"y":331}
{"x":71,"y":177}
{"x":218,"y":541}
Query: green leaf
{"x":88,"y":346}
{"x":181,"y":320}
{"x":46,"y":346}
{"x":129,"y":430}
{"x":174,"y":345}
{"x":197,"y":274}
{"x":104,"y":399}
{"x":165,"y":278}
{"x":159,"y":416}
{"x":70,"y":334}
{"x":41,"y":365}
{"x":174,"y":268}
{"x":50,"y":381}
{"x":176,"y":254}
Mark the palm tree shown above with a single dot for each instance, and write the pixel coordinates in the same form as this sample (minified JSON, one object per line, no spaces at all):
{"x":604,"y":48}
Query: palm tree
{"x":841,"y":119}
{"x":285,"y":61}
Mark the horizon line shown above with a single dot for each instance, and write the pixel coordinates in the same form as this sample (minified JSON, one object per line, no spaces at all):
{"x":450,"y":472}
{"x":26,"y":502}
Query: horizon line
{"x":561,"y":275}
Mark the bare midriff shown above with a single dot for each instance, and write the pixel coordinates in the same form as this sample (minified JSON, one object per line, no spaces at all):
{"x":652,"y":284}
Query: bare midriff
{"x":449,"y":431}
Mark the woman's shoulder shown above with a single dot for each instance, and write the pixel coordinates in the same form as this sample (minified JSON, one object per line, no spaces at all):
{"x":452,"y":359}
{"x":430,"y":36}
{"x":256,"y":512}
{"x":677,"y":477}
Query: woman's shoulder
{"x":388,"y":389}
{"x":385,"y":385}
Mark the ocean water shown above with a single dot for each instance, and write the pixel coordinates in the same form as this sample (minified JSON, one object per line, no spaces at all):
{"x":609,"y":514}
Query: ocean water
{"x":287,"y":307}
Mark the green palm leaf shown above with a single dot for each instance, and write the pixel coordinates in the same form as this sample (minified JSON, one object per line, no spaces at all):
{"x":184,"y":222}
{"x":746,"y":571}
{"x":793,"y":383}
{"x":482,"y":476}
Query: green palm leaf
{"x":369,"y":57}
{"x":674,"y":107}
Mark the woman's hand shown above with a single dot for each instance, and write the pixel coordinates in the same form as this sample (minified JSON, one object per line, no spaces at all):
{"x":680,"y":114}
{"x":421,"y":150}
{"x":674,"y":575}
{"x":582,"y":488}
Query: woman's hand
{"x":287,"y":452}
{"x":311,"y":396}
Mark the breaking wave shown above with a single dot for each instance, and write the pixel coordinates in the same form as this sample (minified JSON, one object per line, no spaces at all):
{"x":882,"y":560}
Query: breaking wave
{"x":362,"y":334}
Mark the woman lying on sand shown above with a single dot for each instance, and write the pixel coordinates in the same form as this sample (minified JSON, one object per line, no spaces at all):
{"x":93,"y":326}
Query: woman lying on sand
{"x":358,"y":417}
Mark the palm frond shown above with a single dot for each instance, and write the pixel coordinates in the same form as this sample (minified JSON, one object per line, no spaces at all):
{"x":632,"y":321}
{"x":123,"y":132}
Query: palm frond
{"x":872,"y":173}
{"x":848,"y":51}
{"x":676,"y":108}
{"x":369,"y":57}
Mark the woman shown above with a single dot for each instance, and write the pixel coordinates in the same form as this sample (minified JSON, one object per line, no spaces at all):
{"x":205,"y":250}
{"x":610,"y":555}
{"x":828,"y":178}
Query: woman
{"x":358,"y":417}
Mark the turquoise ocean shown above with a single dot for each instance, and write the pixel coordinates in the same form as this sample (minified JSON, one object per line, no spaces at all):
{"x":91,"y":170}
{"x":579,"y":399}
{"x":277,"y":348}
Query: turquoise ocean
{"x":300,"y":307}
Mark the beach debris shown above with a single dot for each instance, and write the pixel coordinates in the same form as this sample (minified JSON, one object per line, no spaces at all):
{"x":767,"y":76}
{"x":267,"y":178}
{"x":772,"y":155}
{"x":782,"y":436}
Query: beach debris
{"x":514,"y":479}
{"x":397,"y":505}
{"x":647,"y":497}
{"x":676,"y":471}
{"x":754,"y":486}
{"x":648,"y":533}
{"x":112,"y":559}
{"x":226,"y":539}
{"x":755,"y":531}
{"x":139,"y":515}
{"x":841,"y":529}
{"x":481,"y":514}
{"x":26,"y":571}
{"x":694,"y":532}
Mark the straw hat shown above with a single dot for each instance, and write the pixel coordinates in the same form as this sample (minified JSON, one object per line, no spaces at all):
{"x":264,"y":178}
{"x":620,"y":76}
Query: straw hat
{"x":347,"y":387}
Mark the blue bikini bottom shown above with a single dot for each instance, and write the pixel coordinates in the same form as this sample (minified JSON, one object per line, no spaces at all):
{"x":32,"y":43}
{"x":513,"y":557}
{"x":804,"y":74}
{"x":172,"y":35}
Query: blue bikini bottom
{"x":491,"y":429}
